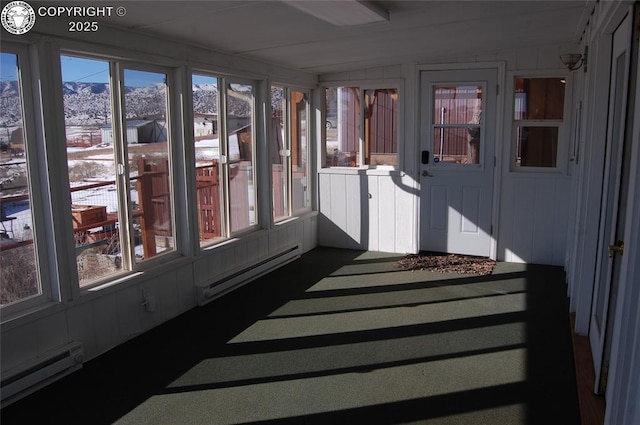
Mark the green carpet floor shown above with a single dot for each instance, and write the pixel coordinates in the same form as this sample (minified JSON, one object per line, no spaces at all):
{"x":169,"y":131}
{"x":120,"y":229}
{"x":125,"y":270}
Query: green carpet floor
{"x":340,"y":337}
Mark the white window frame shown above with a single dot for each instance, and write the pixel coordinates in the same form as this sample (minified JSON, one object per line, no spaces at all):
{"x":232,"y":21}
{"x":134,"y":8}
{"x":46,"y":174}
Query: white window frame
{"x":396,"y":84}
{"x":222,"y":150}
{"x":224,"y":83}
{"x":171,"y":117}
{"x":130,"y":267}
{"x":38,"y":182}
{"x":564,"y":142}
{"x":287,"y":146}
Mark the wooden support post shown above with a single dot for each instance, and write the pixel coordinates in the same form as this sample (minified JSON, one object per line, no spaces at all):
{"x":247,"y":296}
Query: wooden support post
{"x":147,"y":219}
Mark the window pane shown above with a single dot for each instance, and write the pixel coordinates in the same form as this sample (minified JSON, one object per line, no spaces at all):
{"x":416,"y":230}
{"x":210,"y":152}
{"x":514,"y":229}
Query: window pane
{"x":456,"y":145}
{"x":207,"y":150}
{"x":149,"y":162}
{"x":242,"y":196}
{"x":539,"y":98}
{"x":18,"y":264}
{"x":90,"y":160}
{"x":343,"y":126}
{"x":536,"y":146}
{"x":277,"y":151}
{"x":457,"y":104}
{"x":299,"y":151}
{"x":381,"y":126}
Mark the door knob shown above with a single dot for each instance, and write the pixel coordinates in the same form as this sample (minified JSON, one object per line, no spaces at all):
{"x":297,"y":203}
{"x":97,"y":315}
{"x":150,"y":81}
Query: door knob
{"x":617,"y":247}
{"x":426,"y":173}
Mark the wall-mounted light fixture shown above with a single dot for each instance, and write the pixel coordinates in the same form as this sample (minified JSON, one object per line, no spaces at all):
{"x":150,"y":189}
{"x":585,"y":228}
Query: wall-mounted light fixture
{"x":574,"y":61}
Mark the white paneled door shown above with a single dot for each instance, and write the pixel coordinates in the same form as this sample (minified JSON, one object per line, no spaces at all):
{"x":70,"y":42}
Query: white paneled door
{"x":458,"y":114}
{"x":612,"y":214}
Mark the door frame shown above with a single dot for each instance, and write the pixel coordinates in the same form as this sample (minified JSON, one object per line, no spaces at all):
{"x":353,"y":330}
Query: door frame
{"x":625,"y":338}
{"x":608,"y":269}
{"x":500,"y":68}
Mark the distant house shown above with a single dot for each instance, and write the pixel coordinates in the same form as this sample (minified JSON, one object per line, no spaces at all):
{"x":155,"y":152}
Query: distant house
{"x":205,"y":125}
{"x":240,"y":142}
{"x":138,"y":131}
{"x":16,"y":142}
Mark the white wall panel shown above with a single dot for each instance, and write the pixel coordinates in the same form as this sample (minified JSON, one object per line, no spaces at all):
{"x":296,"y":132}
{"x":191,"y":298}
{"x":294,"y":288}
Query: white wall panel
{"x":52,"y":332}
{"x":355,"y":201}
{"x":385,"y":221}
{"x":386,"y":214}
{"x":543,"y":223}
{"x":104,"y":310}
{"x":80,"y":320}
{"x":406,"y":237}
{"x":18,"y":345}
{"x":129,"y":312}
{"x":533,"y":219}
{"x":374,"y":201}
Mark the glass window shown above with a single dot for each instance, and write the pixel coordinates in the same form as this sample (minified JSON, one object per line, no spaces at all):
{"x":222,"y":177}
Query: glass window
{"x":206,"y":136}
{"x":538,"y":120}
{"x":18,"y":260}
{"x":91,"y":165}
{"x":457,"y":119}
{"x":119,"y":168}
{"x":240,"y":156}
{"x":343,"y":126}
{"x":278,"y":152}
{"x":299,"y":151}
{"x":289,"y":151}
{"x":361,"y":126}
{"x":381,"y":126}
{"x":149,"y":158}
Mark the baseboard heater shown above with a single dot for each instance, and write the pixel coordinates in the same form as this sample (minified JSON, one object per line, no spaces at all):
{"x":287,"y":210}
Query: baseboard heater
{"x":39,"y":372}
{"x":211,"y":291}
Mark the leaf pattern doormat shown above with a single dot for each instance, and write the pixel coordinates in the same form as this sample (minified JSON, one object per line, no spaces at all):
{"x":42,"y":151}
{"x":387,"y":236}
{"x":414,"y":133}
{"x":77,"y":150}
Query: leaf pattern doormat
{"x":446,"y":263}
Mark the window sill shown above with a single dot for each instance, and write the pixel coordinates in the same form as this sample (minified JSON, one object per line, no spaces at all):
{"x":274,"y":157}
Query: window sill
{"x":288,"y":220}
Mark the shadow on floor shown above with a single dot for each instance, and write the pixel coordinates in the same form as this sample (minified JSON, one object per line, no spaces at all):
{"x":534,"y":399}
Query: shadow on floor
{"x":345,"y":337}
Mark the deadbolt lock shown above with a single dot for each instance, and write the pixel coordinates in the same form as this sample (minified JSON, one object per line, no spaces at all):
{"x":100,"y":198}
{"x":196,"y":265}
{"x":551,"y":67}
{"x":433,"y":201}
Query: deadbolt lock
{"x":618,"y":247}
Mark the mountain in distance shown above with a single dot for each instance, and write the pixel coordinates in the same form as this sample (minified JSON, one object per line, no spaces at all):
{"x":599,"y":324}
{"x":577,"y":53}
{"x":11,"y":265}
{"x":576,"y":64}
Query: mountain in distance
{"x":89,"y":104}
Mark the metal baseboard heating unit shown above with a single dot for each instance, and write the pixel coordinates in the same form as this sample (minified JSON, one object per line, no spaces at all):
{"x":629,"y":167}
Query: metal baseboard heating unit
{"x":211,"y":291}
{"x":39,"y":372}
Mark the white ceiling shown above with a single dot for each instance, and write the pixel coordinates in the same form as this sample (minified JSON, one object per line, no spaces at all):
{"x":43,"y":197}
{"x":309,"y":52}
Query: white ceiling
{"x":418,"y":30}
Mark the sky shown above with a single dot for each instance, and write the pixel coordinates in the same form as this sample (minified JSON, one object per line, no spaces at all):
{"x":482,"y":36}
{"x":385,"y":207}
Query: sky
{"x":76,"y":69}
{"x":8,"y":67}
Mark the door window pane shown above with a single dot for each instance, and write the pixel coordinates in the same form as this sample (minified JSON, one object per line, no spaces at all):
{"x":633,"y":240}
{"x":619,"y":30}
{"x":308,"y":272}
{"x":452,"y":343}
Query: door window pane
{"x":147,"y":143}
{"x":18,"y":264}
{"x":457,"y":128}
{"x":240,"y":145}
{"x":90,"y":160}
{"x":207,"y":157}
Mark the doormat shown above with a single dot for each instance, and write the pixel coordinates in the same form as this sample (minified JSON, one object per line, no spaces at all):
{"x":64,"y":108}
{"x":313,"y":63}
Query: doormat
{"x":446,"y":263}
